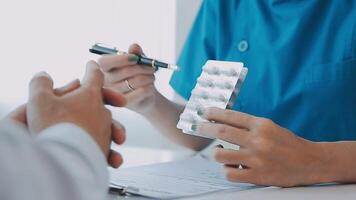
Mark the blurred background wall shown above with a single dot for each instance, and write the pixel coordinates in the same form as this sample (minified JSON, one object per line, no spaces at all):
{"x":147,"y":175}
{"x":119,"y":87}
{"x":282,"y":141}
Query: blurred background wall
{"x":54,"y":36}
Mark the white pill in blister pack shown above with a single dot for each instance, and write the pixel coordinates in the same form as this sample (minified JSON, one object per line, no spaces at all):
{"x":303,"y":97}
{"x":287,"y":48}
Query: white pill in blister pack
{"x":218,"y":86}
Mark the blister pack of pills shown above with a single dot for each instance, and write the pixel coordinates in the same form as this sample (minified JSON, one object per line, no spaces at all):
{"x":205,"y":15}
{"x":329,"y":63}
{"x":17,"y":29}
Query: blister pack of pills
{"x":218,"y":86}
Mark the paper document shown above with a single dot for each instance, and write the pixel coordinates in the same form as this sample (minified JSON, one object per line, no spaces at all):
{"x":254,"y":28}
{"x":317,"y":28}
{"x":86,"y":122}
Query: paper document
{"x":194,"y":176}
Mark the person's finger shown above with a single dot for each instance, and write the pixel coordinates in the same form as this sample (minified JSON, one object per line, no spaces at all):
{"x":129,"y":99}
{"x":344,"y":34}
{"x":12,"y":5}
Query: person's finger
{"x":135,"y":83}
{"x":136,"y":49}
{"x":111,"y":62}
{"x":231,"y":157}
{"x":127,"y":72}
{"x":73,"y":85}
{"x":115,"y":159}
{"x":230,"y":117}
{"x":118,"y":132}
{"x":19,"y":114}
{"x":237,"y":174}
{"x":224,"y":132}
{"x":41,"y":84}
{"x":139,"y":94}
{"x":113,"y":98}
{"x":93,"y":77}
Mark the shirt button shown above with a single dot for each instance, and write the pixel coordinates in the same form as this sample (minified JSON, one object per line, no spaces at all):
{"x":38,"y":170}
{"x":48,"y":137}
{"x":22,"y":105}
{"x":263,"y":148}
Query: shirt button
{"x":243,"y":46}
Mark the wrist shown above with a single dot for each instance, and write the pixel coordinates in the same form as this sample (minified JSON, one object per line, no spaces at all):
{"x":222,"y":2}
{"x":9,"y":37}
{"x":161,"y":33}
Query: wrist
{"x":327,"y":169}
{"x":156,"y":106}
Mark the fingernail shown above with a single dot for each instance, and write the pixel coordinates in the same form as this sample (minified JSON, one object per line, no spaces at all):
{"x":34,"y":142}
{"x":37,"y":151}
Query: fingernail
{"x":92,"y":62}
{"x":194,"y":127}
{"x":133,"y":58}
{"x":42,"y":73}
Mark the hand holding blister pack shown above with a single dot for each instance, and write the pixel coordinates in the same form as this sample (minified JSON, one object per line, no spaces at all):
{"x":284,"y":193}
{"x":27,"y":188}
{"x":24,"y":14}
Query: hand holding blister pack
{"x":218,"y":86}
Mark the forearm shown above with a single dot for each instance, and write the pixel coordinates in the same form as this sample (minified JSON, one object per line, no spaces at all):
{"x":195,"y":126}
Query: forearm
{"x":62,"y":163}
{"x":165,"y":115}
{"x":340,"y":162}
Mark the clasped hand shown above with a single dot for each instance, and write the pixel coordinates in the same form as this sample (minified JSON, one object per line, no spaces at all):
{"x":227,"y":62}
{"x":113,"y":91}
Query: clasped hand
{"x":80,"y":104}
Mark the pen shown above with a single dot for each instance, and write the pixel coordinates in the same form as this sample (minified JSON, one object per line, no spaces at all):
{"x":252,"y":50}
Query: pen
{"x":102,"y":49}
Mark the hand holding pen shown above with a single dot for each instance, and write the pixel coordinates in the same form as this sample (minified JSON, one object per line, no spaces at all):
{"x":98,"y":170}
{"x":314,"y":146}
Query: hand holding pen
{"x":125,"y":75}
{"x":102,"y":49}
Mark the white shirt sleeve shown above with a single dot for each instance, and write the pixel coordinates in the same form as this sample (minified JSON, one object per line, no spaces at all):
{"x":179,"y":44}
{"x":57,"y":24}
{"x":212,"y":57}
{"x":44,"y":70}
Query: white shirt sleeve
{"x":62,"y":162}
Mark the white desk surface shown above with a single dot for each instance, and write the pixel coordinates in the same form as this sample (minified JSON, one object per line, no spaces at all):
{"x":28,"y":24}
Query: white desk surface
{"x":141,"y":156}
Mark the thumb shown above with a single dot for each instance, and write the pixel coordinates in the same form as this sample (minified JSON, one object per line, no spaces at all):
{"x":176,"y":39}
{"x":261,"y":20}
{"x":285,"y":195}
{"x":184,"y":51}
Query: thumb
{"x":136,"y":49}
{"x":41,"y":84}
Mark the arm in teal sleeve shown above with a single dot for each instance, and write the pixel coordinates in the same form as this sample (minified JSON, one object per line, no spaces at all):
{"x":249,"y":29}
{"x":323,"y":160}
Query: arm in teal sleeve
{"x":199,"y":47}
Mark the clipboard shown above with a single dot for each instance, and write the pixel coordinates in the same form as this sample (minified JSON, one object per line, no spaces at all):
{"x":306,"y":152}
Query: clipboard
{"x":179,"y":179}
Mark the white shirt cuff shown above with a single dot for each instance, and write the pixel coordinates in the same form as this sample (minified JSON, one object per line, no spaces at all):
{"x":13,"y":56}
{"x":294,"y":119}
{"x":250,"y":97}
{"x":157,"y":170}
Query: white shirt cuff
{"x":75,"y":137}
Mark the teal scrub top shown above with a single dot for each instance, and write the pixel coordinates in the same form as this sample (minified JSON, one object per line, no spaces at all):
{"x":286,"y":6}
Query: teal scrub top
{"x":301,"y":56}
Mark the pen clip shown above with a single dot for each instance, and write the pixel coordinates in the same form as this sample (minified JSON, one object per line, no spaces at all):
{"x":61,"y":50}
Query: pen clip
{"x":102,"y":49}
{"x":124,"y":190}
